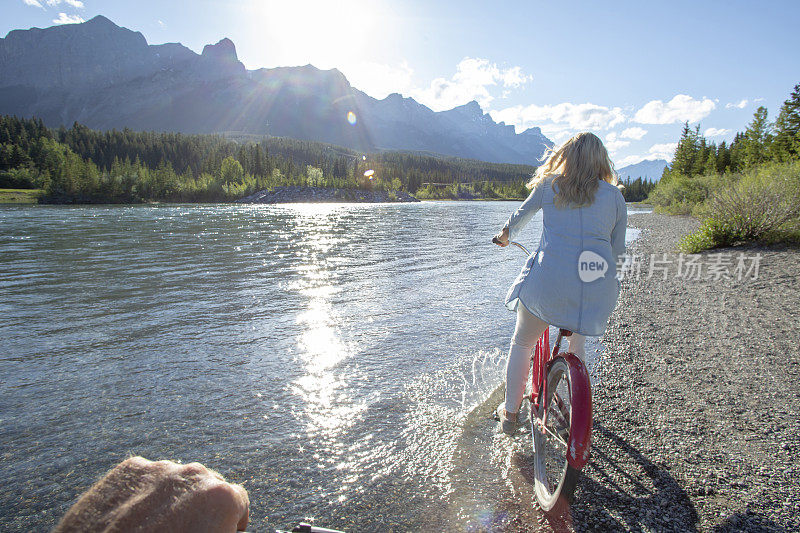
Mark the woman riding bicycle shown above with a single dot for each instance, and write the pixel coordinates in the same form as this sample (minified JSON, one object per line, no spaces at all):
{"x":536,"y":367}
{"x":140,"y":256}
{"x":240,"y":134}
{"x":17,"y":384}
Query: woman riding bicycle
{"x":570,"y":282}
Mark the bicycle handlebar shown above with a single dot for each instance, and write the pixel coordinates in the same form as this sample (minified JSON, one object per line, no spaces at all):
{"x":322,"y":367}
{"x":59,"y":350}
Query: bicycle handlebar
{"x":496,"y":241}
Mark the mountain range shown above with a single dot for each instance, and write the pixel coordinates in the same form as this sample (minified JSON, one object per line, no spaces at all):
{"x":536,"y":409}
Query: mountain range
{"x":106,"y":76}
{"x":648,"y":170}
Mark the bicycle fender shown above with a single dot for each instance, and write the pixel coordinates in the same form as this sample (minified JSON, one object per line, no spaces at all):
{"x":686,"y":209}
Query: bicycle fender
{"x":581,"y":431}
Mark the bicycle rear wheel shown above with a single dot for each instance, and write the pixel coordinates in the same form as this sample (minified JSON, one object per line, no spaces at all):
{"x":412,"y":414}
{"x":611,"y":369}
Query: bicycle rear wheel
{"x":554,"y":478}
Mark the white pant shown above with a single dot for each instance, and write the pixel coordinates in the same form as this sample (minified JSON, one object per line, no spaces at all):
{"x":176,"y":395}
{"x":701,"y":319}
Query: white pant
{"x":528,"y":330}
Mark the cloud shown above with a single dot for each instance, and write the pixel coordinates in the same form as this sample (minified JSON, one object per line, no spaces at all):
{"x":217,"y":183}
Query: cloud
{"x":565,"y":116}
{"x":613,"y":144}
{"x":556,"y":133}
{"x":472,"y":80}
{"x":629,"y":160}
{"x":662,"y":151}
{"x":657,"y":151}
{"x":633,"y":133}
{"x":63,"y":18}
{"x":513,"y":77}
{"x":78,"y":4}
{"x":716,"y":132}
{"x":681,"y":108}
{"x":74,"y":3}
{"x":741,"y":104}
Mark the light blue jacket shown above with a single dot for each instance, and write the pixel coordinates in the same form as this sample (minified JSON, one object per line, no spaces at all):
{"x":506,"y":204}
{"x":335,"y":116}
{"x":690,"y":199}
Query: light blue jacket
{"x":550,"y":285}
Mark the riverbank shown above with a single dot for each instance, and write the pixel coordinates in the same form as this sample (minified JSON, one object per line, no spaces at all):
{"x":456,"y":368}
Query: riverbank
{"x":697,"y":410}
{"x":293,"y":194}
{"x":19,"y":196}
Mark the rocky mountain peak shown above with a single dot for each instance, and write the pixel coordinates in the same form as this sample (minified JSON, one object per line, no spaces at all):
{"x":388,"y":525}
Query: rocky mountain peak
{"x":100,"y":20}
{"x":224,"y":50}
{"x":89,"y":54}
{"x":219,"y":61}
{"x":649,"y":169}
{"x":472,"y":108}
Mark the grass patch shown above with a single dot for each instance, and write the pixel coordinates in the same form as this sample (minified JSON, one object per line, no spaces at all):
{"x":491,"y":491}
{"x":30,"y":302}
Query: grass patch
{"x":20,"y":196}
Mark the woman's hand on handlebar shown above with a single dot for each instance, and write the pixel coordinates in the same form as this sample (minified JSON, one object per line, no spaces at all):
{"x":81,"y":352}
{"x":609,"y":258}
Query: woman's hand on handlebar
{"x":501,"y":239}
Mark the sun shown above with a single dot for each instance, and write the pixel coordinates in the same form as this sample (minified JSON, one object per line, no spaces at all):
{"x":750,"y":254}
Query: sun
{"x":324,"y":33}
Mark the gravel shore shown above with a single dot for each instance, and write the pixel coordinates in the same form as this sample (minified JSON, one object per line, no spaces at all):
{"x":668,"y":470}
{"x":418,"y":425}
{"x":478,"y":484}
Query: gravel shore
{"x":698,"y":406}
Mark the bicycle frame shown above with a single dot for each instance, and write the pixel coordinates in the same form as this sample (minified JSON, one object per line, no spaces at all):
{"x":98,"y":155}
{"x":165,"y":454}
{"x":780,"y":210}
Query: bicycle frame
{"x":580,"y":435}
{"x":581,"y":421}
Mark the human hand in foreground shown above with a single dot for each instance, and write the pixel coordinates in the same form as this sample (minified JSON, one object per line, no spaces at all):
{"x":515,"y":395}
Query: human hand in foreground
{"x":501,"y":239}
{"x":142,"y":495}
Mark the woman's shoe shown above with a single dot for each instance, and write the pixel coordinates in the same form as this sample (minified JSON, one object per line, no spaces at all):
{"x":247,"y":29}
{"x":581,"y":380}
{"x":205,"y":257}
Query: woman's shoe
{"x":509,"y":421}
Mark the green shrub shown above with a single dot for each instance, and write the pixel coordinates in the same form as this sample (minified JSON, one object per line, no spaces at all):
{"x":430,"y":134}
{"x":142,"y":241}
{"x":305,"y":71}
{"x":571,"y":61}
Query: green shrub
{"x":700,"y":240}
{"x":763,"y":204}
{"x":682,"y":195}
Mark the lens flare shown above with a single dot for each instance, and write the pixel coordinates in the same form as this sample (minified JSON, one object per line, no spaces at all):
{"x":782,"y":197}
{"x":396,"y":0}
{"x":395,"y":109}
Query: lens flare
{"x":351,"y":118}
{"x":369,"y":173}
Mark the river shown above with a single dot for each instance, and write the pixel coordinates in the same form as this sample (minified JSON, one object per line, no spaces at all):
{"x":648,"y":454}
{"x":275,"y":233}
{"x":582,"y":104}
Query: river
{"x":339,"y":360}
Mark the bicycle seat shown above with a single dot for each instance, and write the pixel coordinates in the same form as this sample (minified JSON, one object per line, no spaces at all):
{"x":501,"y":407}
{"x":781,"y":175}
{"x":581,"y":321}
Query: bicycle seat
{"x":565,"y":332}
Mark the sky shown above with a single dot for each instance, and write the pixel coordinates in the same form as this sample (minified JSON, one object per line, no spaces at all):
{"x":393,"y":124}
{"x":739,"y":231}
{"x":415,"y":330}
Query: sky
{"x":630,"y":71}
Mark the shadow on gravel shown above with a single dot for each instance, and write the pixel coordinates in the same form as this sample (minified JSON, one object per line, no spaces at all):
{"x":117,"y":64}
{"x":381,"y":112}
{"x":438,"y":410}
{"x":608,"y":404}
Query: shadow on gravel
{"x":747,"y":522}
{"x":621,"y":488}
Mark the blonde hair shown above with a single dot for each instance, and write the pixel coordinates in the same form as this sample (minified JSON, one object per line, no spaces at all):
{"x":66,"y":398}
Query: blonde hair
{"x":579,"y":165}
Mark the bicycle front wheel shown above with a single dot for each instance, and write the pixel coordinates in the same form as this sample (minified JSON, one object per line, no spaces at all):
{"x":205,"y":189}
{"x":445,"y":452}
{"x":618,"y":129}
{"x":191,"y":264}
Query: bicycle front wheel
{"x":554,"y":477}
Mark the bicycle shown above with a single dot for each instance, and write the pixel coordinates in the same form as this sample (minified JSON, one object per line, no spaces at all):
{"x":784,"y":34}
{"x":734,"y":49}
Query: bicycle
{"x":561,"y":417}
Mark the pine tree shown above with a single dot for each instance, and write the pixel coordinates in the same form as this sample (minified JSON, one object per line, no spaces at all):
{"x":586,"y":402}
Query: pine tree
{"x":711,"y":161}
{"x":758,"y":139}
{"x":737,"y":151}
{"x":786,"y":144}
{"x":683,"y":163}
{"x":701,"y":157}
{"x":723,"y":158}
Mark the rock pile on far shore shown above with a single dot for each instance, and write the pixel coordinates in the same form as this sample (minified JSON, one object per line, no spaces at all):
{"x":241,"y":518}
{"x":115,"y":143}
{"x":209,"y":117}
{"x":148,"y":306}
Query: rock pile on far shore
{"x":295,"y":194}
